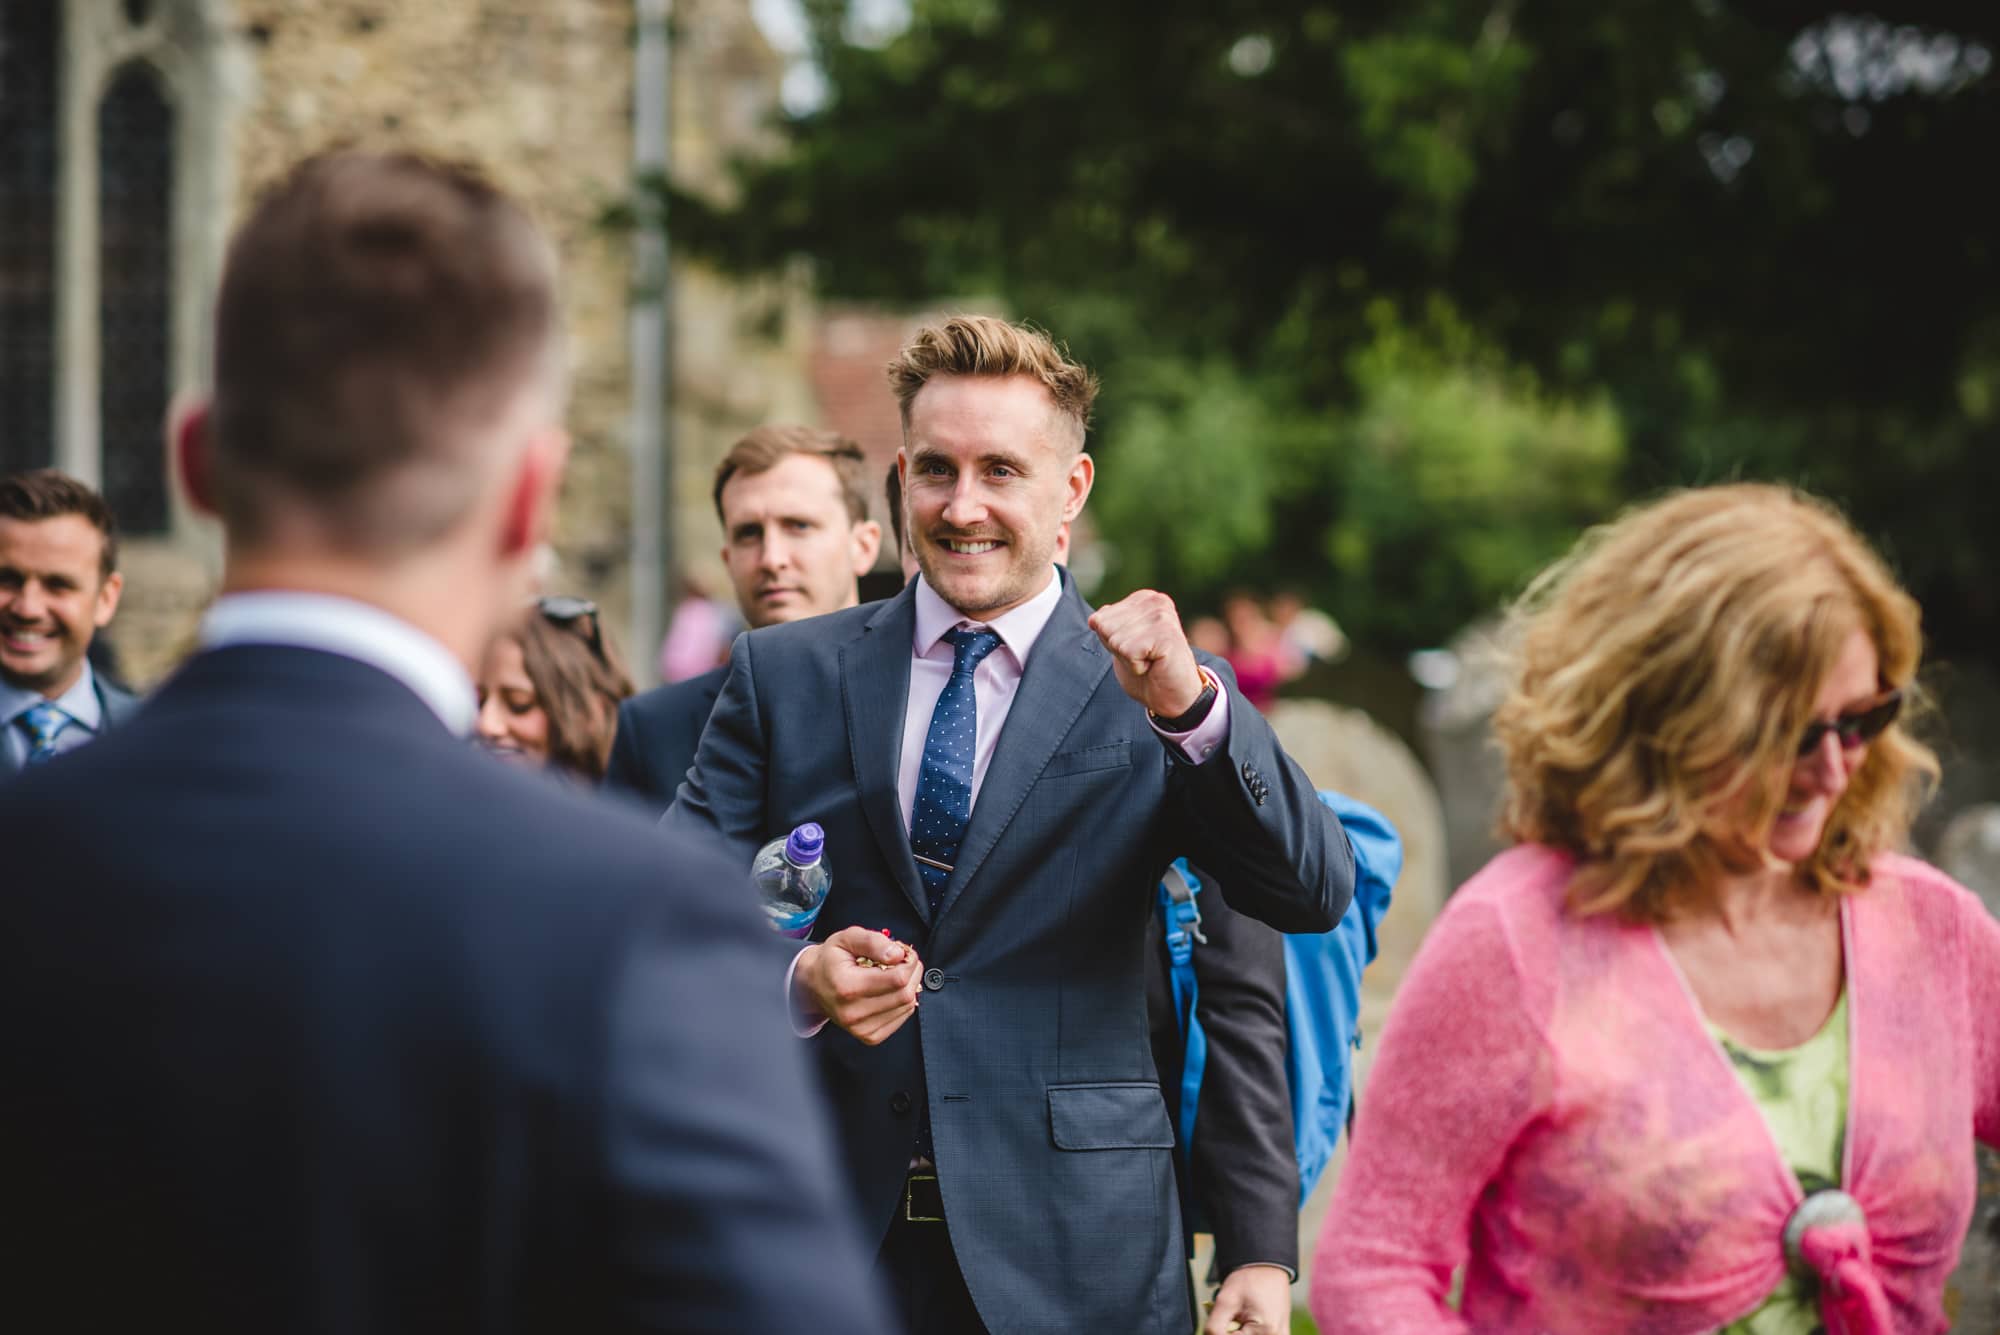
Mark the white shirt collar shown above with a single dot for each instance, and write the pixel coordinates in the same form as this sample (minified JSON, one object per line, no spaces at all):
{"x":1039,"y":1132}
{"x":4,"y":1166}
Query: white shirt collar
{"x":354,"y":630}
{"x":79,"y":701}
{"x":1018,"y":627}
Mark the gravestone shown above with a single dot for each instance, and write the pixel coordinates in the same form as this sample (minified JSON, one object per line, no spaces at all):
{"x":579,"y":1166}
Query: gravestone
{"x":1347,"y":751}
{"x":1969,"y":852}
{"x":1963,"y":727}
{"x":1454,"y":722}
{"x":1972,"y":1295}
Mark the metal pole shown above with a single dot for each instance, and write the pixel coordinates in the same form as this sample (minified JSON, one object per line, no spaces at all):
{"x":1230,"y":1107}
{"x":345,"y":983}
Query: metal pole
{"x":652,"y":383}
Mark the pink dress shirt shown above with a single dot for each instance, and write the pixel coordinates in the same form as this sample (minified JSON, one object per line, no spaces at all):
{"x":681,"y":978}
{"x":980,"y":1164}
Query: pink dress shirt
{"x":994,"y":683}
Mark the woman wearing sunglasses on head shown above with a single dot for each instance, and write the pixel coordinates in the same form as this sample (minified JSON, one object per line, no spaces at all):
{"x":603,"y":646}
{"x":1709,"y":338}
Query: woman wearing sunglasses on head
{"x":1703,"y":1052}
{"x":549,"y":692}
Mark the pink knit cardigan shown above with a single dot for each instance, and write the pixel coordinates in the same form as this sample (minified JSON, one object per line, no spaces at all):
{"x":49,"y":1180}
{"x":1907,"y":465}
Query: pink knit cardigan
{"x":1547,"y":1107}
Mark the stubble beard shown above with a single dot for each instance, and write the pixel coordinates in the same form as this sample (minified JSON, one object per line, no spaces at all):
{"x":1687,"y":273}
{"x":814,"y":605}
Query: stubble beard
{"x":1013,"y":586}
{"x":62,"y":672}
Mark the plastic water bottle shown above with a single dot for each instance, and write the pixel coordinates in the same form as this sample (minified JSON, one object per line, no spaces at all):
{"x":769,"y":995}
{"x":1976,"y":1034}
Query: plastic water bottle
{"x":792,"y":880}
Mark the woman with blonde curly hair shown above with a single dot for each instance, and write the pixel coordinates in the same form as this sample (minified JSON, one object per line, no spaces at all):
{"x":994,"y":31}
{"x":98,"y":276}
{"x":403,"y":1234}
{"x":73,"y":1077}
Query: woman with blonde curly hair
{"x":1703,"y":1051}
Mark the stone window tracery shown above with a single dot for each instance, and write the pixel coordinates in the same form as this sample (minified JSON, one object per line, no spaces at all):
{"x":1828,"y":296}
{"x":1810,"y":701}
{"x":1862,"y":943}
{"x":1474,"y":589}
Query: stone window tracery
{"x":115,"y":171}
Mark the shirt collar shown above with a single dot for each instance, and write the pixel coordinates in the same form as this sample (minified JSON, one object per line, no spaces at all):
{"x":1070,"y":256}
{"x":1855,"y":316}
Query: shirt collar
{"x":353,"y":630}
{"x":80,"y":701}
{"x":1018,"y":627}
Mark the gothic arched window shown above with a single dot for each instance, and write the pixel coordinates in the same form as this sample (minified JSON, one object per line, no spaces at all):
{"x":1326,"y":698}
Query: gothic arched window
{"x":30,"y":131}
{"x":135,"y":175}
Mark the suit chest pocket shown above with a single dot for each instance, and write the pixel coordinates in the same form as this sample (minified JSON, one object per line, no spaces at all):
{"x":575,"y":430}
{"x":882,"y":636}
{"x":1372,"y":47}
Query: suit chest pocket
{"x":1089,"y":760}
{"x":1121,"y":1115}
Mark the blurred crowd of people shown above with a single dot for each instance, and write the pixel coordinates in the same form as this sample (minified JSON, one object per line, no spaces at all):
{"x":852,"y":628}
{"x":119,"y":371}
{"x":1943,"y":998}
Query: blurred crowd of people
{"x":327,"y":1019}
{"x":1268,"y":642}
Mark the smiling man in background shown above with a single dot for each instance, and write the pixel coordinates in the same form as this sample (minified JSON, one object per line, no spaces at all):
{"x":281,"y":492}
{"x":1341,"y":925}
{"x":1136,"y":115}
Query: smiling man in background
{"x":59,"y":585}
{"x":796,"y":537}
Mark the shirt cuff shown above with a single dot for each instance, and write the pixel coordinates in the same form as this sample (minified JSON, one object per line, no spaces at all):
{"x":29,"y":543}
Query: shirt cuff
{"x":791,"y":1007}
{"x":1275,"y":1265}
{"x":1201,"y":741}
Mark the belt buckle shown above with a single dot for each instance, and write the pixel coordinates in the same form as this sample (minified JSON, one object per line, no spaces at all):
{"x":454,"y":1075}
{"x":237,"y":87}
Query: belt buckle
{"x":911,"y":1204}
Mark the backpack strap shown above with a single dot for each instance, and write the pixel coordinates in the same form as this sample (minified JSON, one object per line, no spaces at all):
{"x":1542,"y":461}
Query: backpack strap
{"x":1181,"y":916}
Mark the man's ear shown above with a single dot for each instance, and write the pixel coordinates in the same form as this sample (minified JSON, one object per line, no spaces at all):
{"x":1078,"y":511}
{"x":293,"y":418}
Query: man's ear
{"x":1082,"y":472}
{"x":865,"y":543}
{"x":532,"y":491}
{"x":107,"y":599}
{"x":192,"y":451}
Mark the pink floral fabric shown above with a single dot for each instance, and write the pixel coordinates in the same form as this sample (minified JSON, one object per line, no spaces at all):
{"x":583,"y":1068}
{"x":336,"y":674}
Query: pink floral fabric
{"x":1547,"y":1108}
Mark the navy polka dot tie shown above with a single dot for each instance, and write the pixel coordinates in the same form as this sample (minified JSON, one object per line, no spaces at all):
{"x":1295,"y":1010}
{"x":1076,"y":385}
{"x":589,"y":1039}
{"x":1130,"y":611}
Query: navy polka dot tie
{"x":944,"y":789}
{"x":944,"y":784}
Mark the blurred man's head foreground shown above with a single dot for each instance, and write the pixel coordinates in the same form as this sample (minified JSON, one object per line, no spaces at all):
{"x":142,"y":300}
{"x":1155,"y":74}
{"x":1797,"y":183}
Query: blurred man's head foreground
{"x":388,"y":393}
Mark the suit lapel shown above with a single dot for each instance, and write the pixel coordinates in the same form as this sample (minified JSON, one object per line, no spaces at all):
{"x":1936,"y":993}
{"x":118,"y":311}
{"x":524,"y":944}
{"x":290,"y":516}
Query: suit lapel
{"x":875,"y":688}
{"x":114,"y":705}
{"x":1062,"y":674}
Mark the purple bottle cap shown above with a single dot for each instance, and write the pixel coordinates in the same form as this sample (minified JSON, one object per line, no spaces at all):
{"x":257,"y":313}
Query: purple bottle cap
{"x":803,"y":845}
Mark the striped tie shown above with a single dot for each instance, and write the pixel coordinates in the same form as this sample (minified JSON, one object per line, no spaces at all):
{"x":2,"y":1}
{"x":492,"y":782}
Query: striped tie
{"x":44,"y":723}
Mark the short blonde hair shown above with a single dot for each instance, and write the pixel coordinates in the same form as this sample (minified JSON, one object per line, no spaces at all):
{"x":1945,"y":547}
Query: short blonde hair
{"x":983,"y":345}
{"x":1663,"y":674}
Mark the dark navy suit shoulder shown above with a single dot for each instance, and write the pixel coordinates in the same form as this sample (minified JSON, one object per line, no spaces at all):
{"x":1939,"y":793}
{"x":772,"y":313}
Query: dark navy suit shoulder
{"x":357,"y":961}
{"x":657,"y":733}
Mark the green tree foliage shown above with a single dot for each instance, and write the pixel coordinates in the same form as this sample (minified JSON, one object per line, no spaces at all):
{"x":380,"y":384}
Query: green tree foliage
{"x":1391,"y":298}
{"x":1458,"y":478}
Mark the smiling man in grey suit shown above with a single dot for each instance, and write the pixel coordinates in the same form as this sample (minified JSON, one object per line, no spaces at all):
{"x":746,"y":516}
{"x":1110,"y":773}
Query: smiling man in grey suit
{"x":1003,"y":775}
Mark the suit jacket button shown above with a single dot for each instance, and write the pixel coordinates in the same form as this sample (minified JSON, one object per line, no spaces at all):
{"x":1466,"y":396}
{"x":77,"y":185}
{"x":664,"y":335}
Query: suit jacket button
{"x":1249,"y":772}
{"x":934,"y":979}
{"x":899,"y":1103}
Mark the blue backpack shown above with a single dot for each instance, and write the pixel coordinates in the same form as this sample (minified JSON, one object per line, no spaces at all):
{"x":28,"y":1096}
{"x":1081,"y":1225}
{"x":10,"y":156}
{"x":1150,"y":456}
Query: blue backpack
{"x":1322,"y":990}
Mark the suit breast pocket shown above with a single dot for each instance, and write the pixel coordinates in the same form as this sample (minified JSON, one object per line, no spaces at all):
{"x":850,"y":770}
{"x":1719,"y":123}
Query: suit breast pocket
{"x":1089,"y":760}
{"x":1110,"y":1115}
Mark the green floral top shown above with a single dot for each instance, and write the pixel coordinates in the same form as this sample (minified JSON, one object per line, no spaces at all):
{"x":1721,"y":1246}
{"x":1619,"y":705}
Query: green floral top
{"x":1802,"y":1093}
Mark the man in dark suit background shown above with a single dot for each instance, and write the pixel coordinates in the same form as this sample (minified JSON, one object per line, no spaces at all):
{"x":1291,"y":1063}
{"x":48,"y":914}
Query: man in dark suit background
{"x":346,"y":1028}
{"x":59,"y":586}
{"x":796,"y":539}
{"x":1243,"y":1168}
{"x":1041,"y":764}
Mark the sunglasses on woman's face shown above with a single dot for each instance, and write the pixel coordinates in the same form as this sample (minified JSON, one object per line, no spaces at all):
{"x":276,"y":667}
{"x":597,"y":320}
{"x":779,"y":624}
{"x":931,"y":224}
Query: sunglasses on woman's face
{"x":1856,"y":727}
{"x":563,"y":610}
